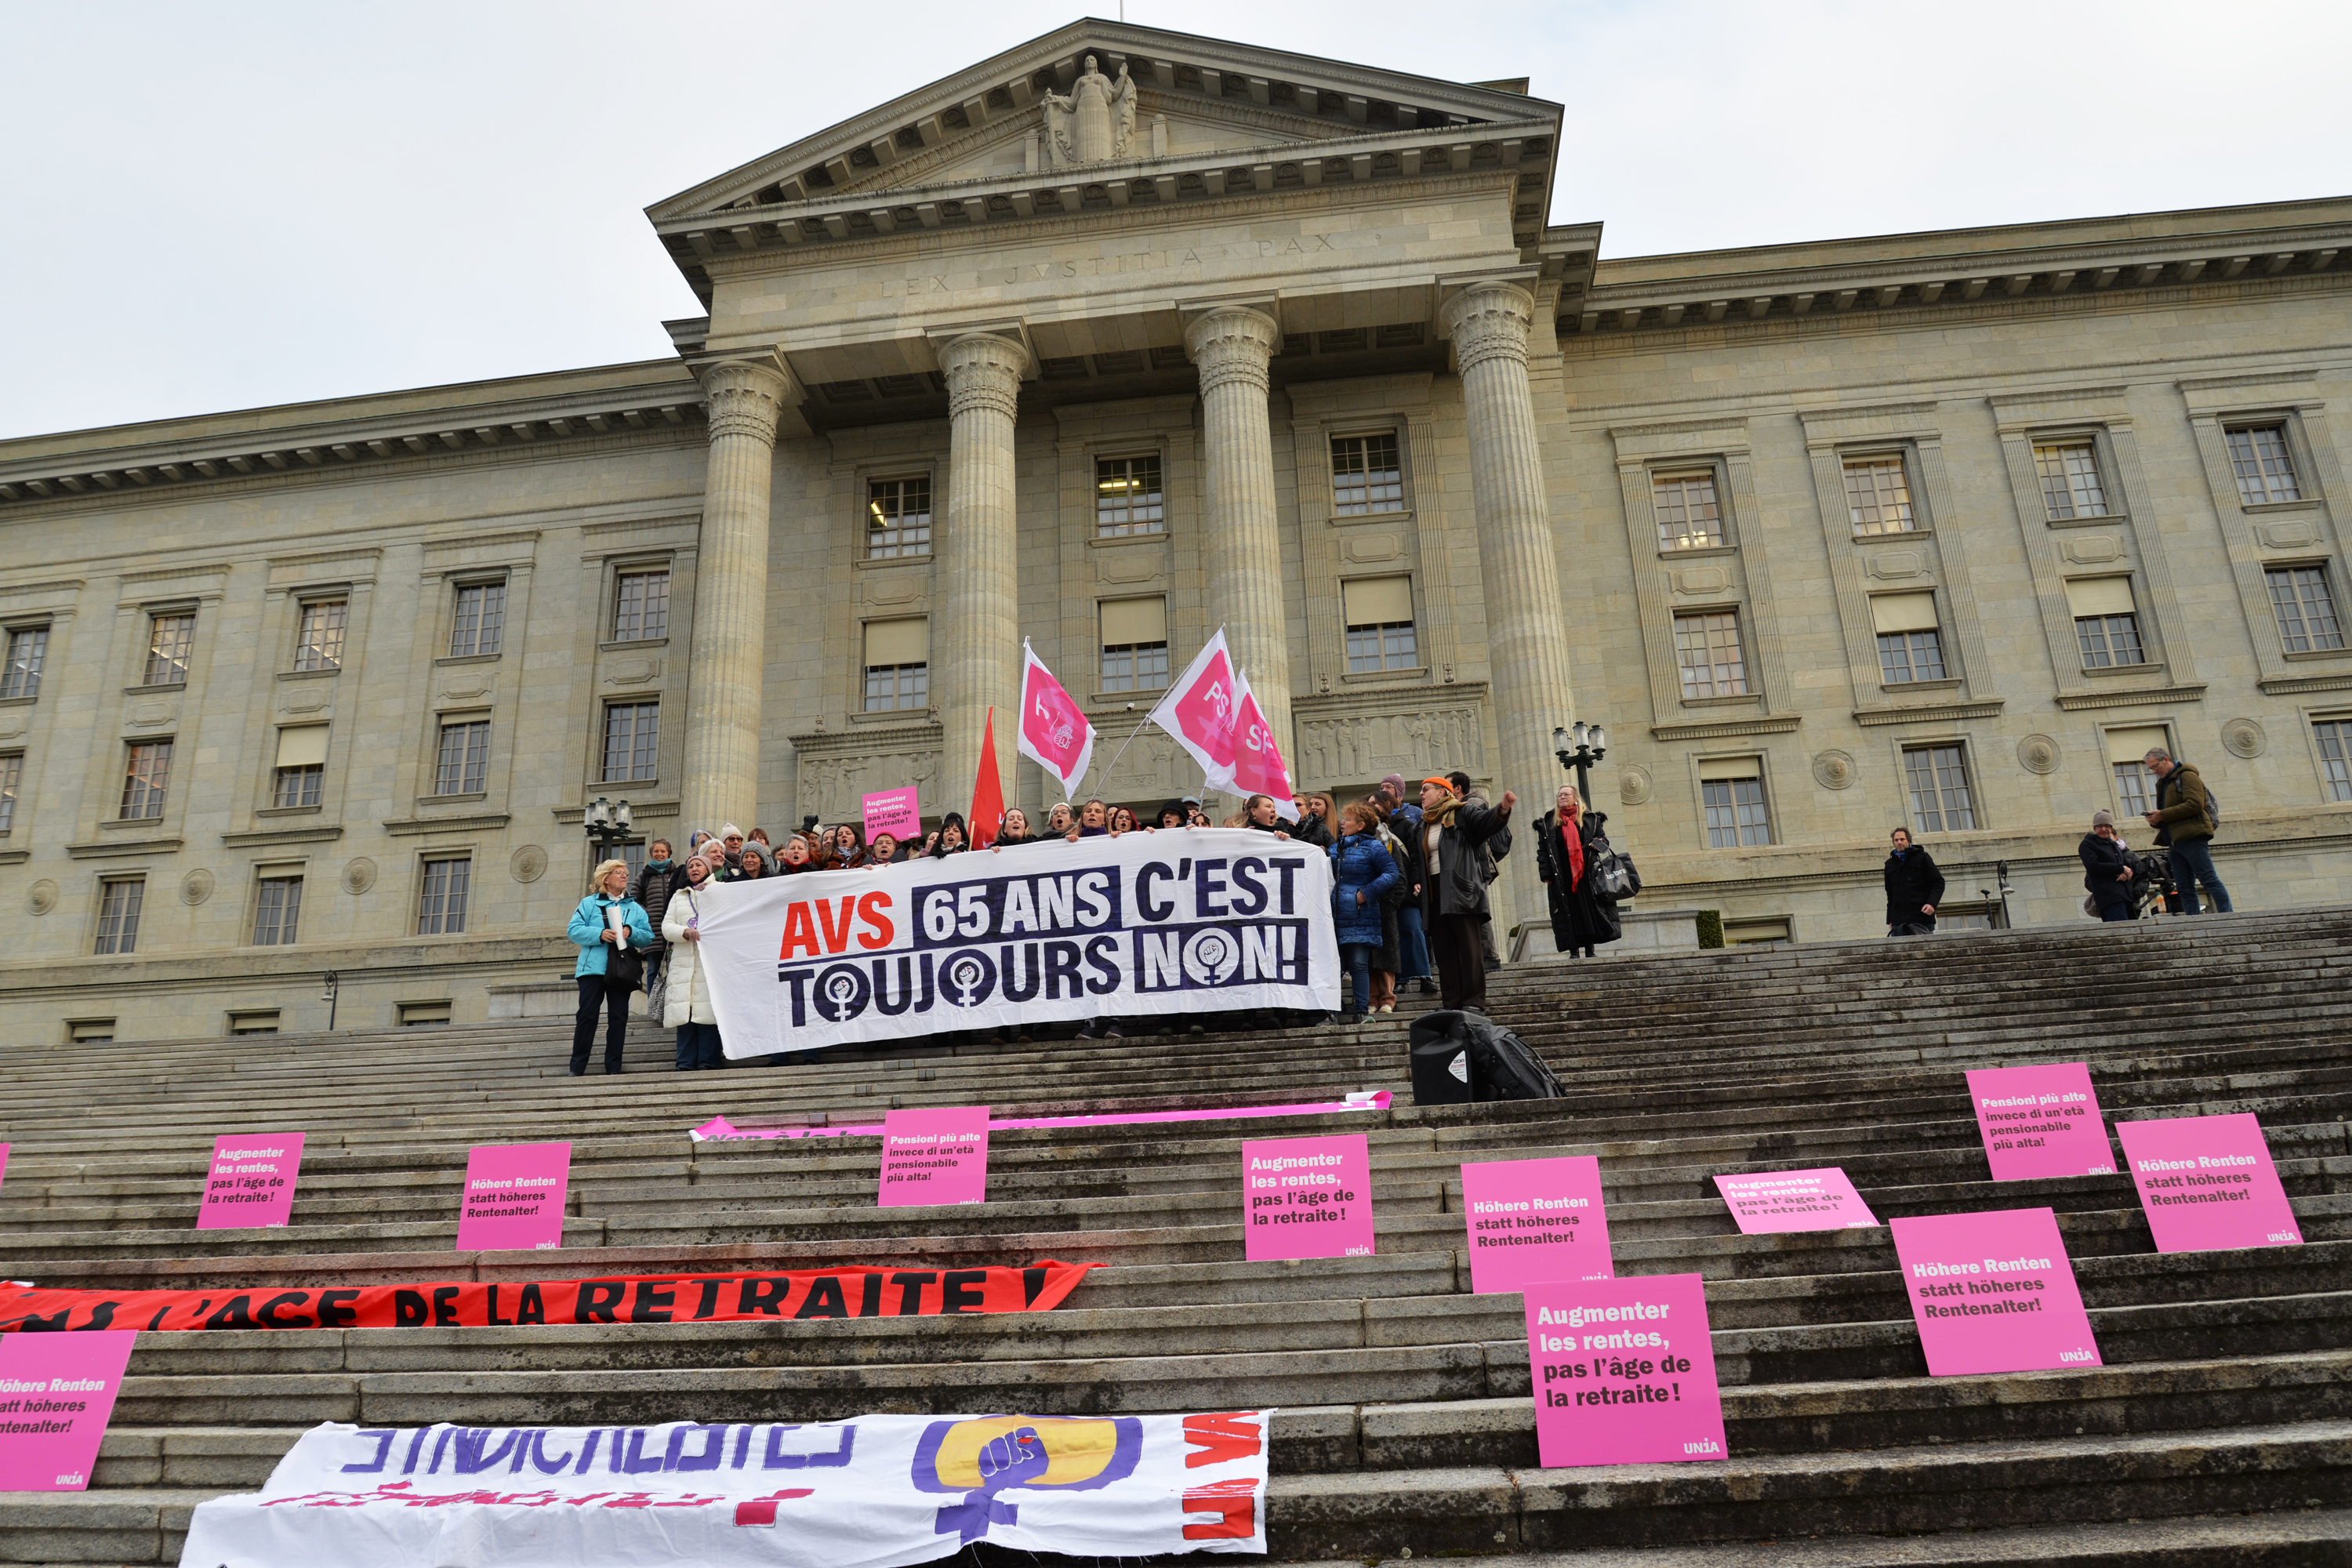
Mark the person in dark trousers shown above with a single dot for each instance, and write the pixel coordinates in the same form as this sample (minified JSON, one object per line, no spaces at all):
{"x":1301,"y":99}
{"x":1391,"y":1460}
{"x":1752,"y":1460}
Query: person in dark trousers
{"x":1362,"y":870}
{"x":2184,"y":824}
{"x":2106,"y":869}
{"x":656,"y":881}
{"x":592,"y":932}
{"x":1452,"y":893}
{"x":1583,"y":915}
{"x":688,"y":1007}
{"x":1913,"y":888}
{"x":1493,"y":850}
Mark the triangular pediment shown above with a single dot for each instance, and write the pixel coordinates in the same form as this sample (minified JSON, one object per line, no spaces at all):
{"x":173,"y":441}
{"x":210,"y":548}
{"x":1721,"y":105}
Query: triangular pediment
{"x":1208,"y":96}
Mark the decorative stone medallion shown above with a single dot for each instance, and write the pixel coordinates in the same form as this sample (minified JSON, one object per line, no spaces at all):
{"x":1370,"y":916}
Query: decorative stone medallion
{"x":1633,"y":784}
{"x":359,"y":876}
{"x":2243,"y":737}
{"x":196,"y":887}
{"x":42,"y":897}
{"x":1834,"y":770}
{"x":528,"y":864}
{"x":2038,"y":755}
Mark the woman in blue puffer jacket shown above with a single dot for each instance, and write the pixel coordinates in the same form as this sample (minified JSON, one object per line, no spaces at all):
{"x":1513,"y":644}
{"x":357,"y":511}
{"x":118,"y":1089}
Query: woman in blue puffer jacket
{"x":594,"y":933}
{"x":1362,"y":870}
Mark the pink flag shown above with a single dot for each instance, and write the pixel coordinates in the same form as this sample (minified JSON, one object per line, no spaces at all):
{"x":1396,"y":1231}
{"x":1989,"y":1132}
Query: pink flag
{"x":1053,"y":734}
{"x":1202,"y":709}
{"x":1258,"y":765}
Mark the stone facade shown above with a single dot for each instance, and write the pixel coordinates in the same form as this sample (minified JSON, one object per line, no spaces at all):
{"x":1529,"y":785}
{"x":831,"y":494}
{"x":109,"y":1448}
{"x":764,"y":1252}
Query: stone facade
{"x":1106,"y":355}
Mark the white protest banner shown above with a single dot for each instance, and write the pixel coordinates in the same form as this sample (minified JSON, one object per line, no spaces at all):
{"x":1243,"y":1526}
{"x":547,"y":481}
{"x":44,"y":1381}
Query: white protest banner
{"x":874,"y":1492}
{"x":1188,"y":921}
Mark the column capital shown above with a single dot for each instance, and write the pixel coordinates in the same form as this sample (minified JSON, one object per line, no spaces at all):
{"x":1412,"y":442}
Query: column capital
{"x":984,"y":370}
{"x":748,"y":397}
{"x":1488,"y":321}
{"x":1231,"y":342}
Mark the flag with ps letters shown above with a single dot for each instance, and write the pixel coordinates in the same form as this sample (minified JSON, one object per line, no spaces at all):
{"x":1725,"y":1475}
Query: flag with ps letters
{"x":1202,"y":709}
{"x":1054,"y":732}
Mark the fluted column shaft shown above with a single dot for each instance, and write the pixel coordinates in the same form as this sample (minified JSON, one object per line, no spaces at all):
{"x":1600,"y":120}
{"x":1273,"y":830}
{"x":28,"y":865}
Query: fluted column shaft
{"x":731,"y":598}
{"x":1527,"y":631}
{"x":975,"y":631}
{"x":1240,"y":544}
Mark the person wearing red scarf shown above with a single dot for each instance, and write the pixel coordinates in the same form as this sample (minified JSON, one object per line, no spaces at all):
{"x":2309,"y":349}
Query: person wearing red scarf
{"x":1583,"y":915}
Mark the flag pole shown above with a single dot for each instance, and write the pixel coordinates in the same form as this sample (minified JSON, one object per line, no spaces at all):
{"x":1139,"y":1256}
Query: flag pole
{"x":1106,"y":767}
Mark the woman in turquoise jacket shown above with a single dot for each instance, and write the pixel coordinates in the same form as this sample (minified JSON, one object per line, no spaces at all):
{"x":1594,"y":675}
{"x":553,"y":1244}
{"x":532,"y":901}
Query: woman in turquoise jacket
{"x":594,"y":934}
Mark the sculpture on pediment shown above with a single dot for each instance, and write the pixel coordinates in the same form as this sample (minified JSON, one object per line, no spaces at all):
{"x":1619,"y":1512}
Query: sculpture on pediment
{"x":1095,"y":122}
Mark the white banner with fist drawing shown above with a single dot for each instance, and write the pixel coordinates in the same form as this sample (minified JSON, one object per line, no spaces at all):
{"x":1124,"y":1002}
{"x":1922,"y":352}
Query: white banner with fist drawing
{"x":1195,"y":919}
{"x":874,"y":1492}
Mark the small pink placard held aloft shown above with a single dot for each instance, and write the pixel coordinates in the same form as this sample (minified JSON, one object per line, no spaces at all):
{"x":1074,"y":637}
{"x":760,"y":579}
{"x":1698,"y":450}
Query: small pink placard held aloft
{"x":2041,"y":1121}
{"x":1530,"y":1221}
{"x":897,"y":812}
{"x":1993,"y":1292}
{"x":251,"y":1181}
{"x":1306,"y":1197}
{"x":2207,"y":1183}
{"x":514,"y":1197}
{"x":937,"y":1156}
{"x":56,"y":1394}
{"x":1765,"y":1201}
{"x":1623,"y":1370}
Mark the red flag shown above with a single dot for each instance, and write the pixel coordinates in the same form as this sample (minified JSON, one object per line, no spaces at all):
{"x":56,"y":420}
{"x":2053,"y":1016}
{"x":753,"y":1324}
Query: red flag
{"x":987,"y":789}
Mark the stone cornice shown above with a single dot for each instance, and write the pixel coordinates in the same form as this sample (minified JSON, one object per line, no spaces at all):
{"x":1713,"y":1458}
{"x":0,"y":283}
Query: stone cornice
{"x":2129,"y":696}
{"x":1725,"y":728}
{"x":919,"y":736}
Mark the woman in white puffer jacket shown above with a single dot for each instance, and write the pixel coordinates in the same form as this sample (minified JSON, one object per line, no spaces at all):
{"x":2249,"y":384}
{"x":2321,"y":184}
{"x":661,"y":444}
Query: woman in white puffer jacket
{"x":687,"y":1009}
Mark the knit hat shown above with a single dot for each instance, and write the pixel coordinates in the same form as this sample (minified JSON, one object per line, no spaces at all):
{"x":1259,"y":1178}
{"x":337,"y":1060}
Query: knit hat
{"x":2102,"y":819}
{"x":730,"y":831}
{"x":1441,"y":781}
{"x":1394,"y":782}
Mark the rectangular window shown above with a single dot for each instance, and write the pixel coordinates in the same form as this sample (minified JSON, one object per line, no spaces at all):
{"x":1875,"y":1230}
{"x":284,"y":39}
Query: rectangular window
{"x":1706,"y":645}
{"x":2135,"y":786}
{"x":1134,"y":645}
{"x":144,"y":780}
{"x":632,"y":856}
{"x":1689,"y":516}
{"x":91,"y":1031}
{"x":117,"y":913}
{"x":421,"y":1015}
{"x":898,"y":666}
{"x":1948,"y":918}
{"x":1910,"y":647}
{"x":1938,"y":781}
{"x":2106,"y":622}
{"x":2305,"y":609}
{"x":630,"y":730}
{"x":641,"y":606}
{"x":1379,"y":617}
{"x":21,"y":675}
{"x":898,"y":517}
{"x":1127,"y":498}
{"x":2265,"y":472}
{"x":2132,"y":786}
{"x":277,"y":910}
{"x":12,"y":776}
{"x":1754,"y":933}
{"x":2334,"y":738}
{"x":1732,"y":790}
{"x":464,"y":764}
{"x":320,"y":644}
{"x":171,"y":641}
{"x":1878,"y":496}
{"x":1365,"y":478}
{"x":480,"y":625}
{"x":2070,"y":481}
{"x":441,"y":900}
{"x":253,"y":1022}
{"x":301,"y":765}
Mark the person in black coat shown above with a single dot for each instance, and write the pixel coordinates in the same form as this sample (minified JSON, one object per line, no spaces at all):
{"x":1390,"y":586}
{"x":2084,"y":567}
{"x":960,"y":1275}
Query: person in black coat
{"x":1567,"y":839}
{"x":1913,"y":888}
{"x":2106,"y":869}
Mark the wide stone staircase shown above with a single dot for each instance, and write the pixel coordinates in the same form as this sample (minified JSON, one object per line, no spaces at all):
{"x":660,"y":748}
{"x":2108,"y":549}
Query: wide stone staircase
{"x":2218,"y":1432}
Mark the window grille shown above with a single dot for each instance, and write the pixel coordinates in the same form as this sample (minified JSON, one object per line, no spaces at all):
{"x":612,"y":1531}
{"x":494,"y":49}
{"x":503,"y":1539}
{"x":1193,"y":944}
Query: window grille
{"x":1128,"y":497}
{"x":276,"y":911}
{"x":481,"y":624}
{"x":171,"y":641}
{"x":27,"y":648}
{"x":118,"y":900}
{"x":464,"y":764}
{"x":1878,"y":496}
{"x":641,"y":606}
{"x":1708,"y":648}
{"x":2070,"y":481}
{"x":1689,"y":515}
{"x":144,"y":782}
{"x":2265,"y":468}
{"x":2305,"y":608}
{"x":441,"y":901}
{"x":320,"y":644}
{"x":898,"y":518}
{"x":1365,"y":475}
{"x":632,"y":730}
{"x":1938,"y":781}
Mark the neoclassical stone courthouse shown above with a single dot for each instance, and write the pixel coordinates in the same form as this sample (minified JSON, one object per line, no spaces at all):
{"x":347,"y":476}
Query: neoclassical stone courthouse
{"x":1123,"y":335}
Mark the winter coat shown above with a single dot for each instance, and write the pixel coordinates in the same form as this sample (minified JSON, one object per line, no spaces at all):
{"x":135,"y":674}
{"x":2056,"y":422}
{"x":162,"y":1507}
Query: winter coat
{"x":653,"y":888}
{"x":587,"y":929}
{"x":1360,"y":863}
{"x":1312,"y":829}
{"x":689,"y":994}
{"x":2103,"y":861}
{"x":1389,"y":960}
{"x":1453,"y":885}
{"x":1912,"y":880}
{"x":2184,"y":812}
{"x":1582,"y":915}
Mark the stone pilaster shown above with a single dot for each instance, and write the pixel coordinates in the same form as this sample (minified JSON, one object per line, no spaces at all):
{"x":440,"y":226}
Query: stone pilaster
{"x":975,"y":632}
{"x":1526,"y":633}
{"x":1241,"y":545}
{"x":731,"y":597}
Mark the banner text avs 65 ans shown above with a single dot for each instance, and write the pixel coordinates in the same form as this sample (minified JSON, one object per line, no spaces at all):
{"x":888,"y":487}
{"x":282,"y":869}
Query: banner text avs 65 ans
{"x":1190,"y":920}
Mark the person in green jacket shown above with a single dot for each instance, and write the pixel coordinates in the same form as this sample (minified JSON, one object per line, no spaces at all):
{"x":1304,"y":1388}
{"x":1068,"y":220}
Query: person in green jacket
{"x":2184,"y":824}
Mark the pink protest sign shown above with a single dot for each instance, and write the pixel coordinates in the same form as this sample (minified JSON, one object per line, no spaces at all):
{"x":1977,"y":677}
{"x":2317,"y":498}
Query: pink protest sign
{"x":251,"y":1181}
{"x":1535,"y":1220}
{"x":1623,"y":1370}
{"x":1794,"y":1200}
{"x":897,"y":812}
{"x":514,"y":1197}
{"x":2207,"y":1183}
{"x":3,"y":1162}
{"x":1993,"y":1292}
{"x":1306,"y":1197}
{"x":2040,"y":1121}
{"x":937,"y":1156}
{"x":56,"y":1394}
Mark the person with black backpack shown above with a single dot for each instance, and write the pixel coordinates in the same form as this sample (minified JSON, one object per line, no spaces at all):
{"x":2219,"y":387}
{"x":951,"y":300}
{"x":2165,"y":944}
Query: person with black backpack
{"x":1568,"y":843}
{"x":2185,"y":819}
{"x":1913,"y":888}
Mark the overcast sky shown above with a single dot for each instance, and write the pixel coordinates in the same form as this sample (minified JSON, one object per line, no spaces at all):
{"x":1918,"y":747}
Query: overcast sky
{"x":218,"y":206}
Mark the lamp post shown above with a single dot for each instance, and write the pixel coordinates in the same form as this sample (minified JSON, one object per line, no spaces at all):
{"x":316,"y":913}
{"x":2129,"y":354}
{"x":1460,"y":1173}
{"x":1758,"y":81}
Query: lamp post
{"x":328,"y":996}
{"x":607,"y":825}
{"x":1580,"y":749}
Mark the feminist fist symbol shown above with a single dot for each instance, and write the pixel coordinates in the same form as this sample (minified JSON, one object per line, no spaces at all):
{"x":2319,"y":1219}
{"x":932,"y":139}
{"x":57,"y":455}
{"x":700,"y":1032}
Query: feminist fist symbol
{"x":1014,"y":1459}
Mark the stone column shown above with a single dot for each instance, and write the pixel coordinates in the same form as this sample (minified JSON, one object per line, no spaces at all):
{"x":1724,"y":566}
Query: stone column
{"x":975,"y":625}
{"x":731,"y":597}
{"x":1526,"y":632}
{"x":1241,"y":545}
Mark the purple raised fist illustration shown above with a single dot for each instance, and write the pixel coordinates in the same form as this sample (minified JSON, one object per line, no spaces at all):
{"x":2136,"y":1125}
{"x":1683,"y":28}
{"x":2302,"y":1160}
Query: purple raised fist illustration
{"x":1009,"y":1460}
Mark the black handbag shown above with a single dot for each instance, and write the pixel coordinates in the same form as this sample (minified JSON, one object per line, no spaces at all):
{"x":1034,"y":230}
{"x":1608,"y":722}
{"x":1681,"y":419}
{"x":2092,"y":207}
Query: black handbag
{"x":627,"y":965}
{"x":1612,"y":872}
